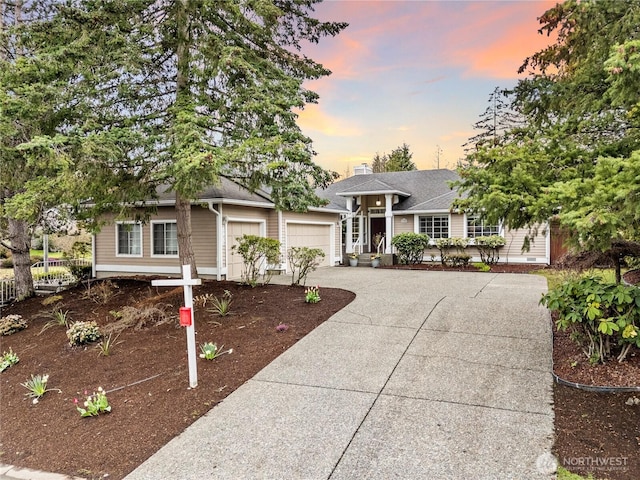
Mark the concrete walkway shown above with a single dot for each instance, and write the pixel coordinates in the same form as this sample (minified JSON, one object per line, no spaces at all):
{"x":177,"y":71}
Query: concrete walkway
{"x":425,"y":375}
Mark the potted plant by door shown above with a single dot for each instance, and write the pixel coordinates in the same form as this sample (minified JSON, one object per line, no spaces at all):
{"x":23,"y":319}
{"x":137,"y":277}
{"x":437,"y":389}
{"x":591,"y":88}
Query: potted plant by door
{"x":353,"y":259}
{"x":375,"y":260}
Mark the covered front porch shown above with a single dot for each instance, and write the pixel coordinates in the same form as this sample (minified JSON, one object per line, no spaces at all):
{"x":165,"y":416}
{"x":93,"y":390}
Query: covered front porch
{"x":369,"y":226}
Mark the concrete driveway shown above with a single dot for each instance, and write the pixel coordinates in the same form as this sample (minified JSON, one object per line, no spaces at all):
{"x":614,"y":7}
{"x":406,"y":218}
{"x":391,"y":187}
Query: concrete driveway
{"x":425,"y":375}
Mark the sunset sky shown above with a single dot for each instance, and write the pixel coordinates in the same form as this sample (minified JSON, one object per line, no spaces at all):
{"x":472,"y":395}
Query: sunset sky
{"x":418,"y":72}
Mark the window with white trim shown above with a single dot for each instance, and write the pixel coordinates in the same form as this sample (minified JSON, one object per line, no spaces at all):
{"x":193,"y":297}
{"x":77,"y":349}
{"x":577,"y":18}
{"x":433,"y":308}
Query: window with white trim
{"x":355,"y":230}
{"x":164,"y":238}
{"x":477,"y":228}
{"x":129,"y":239}
{"x":435,"y":226}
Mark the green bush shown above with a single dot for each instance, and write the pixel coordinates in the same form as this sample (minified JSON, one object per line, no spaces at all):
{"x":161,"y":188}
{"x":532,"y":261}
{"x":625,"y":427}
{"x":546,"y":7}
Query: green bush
{"x":257,"y":253}
{"x":452,"y":251}
{"x":410,"y":247}
{"x":81,"y":272}
{"x":458,"y":259}
{"x":11,"y":324}
{"x":488,"y":248}
{"x":303,"y":260}
{"x":604,"y":318}
{"x":83,"y":332}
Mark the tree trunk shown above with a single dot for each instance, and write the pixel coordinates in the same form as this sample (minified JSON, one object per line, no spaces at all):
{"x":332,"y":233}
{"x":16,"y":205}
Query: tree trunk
{"x":183,"y":205}
{"x":183,"y":224}
{"x":617,"y":262}
{"x":20,"y":247}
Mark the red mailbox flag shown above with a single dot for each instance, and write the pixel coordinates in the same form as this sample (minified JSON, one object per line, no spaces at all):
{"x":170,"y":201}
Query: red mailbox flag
{"x":185,"y":317}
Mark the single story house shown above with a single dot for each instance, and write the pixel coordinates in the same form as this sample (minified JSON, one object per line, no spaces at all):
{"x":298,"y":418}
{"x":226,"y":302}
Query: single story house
{"x":358,"y":207}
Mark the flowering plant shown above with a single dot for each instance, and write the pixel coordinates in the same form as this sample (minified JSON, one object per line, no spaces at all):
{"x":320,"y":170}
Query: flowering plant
{"x":37,"y":387}
{"x":210,"y":351}
{"x":282,"y":327}
{"x":353,"y":255}
{"x":375,"y":256}
{"x":7,"y":359}
{"x":312,"y":294}
{"x":83,"y":332}
{"x":94,"y":405}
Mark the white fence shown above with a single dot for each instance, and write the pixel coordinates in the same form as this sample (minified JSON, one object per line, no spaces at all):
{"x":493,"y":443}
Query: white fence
{"x":54,"y":274}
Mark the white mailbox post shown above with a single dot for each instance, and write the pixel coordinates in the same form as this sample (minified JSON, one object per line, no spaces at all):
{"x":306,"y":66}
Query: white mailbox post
{"x":187,"y":283}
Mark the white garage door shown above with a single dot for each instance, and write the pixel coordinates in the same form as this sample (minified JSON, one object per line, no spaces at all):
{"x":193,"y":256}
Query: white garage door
{"x":312,"y":236}
{"x":235,"y":230}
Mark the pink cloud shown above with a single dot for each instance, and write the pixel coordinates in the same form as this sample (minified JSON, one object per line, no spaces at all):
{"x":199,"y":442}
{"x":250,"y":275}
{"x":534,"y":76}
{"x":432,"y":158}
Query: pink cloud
{"x":313,"y":118}
{"x":493,"y":42}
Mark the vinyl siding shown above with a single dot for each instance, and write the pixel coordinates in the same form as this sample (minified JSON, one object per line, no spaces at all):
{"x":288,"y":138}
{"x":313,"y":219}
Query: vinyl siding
{"x":204,"y":237}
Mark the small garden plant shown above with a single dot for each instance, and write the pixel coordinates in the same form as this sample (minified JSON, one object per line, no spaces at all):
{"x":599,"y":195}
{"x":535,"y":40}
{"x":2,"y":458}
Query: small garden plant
{"x":94,"y":405}
{"x":105,"y":347}
{"x":222,"y":306}
{"x":12,"y":324}
{"x":59,"y":317}
{"x":8,"y":358}
{"x":312,"y":295}
{"x":37,"y":386}
{"x":81,"y":333}
{"x":210,"y":351}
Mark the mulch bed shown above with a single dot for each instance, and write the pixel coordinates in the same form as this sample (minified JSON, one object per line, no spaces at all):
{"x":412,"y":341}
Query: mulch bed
{"x":590,"y":427}
{"x":146,"y":376}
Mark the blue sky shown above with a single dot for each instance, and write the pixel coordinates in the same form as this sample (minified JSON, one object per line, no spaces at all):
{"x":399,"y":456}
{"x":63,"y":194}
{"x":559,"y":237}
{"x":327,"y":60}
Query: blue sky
{"x":418,"y":72}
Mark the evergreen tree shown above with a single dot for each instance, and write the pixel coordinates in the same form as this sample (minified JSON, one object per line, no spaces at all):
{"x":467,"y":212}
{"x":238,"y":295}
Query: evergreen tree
{"x":495,"y":122}
{"x":399,"y":160}
{"x":379,"y":163}
{"x":576,"y":156}
{"x":181,"y":92}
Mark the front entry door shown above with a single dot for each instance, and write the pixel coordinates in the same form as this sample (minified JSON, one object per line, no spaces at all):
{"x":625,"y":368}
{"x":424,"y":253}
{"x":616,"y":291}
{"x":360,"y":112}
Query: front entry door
{"x":378,"y":225}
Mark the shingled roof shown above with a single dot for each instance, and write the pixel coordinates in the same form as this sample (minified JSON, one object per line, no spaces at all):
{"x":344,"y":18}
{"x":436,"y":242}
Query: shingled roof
{"x":418,"y":190}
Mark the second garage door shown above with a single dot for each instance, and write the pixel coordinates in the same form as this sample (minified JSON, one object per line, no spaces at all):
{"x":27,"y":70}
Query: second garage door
{"x":312,"y":236}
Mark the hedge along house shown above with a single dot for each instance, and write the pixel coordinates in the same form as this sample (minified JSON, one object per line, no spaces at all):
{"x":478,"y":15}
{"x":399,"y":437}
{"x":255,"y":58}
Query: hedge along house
{"x":219,"y":216}
{"x":419,"y":201}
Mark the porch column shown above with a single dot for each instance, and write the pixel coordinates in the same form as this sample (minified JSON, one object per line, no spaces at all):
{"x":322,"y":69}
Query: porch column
{"x":388,"y":216}
{"x":349,"y":239}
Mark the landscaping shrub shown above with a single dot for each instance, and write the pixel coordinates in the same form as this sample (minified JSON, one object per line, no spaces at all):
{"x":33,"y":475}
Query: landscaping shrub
{"x":83,"y":332}
{"x":604,"y":318}
{"x":80,"y":272}
{"x":410,"y":247}
{"x":257,"y":253}
{"x":458,"y":259}
{"x":488,"y":248}
{"x":12,"y":324}
{"x":303,"y":260}
{"x":452,"y":251}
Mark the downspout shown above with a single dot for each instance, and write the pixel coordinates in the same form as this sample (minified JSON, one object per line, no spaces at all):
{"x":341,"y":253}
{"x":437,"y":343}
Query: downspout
{"x":93,"y":256}
{"x":282,"y":245}
{"x":218,"y":239}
